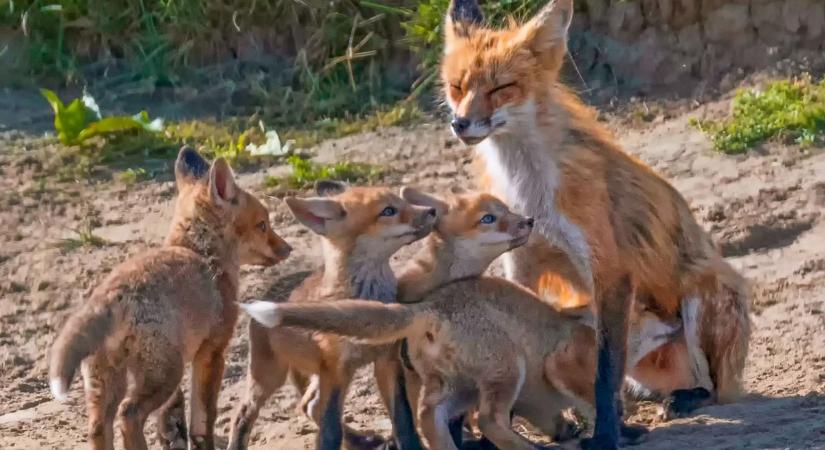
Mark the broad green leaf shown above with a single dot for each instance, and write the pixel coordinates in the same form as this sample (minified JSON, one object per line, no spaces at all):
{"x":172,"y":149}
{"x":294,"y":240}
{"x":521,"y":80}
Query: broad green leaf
{"x":71,"y":121}
{"x":109,"y":125}
{"x":53,"y":100}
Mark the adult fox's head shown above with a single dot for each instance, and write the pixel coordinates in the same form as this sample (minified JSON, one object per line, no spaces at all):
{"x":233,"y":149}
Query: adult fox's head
{"x":494,"y":78}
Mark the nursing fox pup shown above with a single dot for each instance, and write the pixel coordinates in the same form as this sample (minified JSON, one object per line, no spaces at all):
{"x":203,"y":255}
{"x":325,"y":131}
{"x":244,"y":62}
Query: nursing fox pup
{"x":480,"y":342}
{"x":601,"y":215}
{"x":360,"y":229}
{"x":170,"y":306}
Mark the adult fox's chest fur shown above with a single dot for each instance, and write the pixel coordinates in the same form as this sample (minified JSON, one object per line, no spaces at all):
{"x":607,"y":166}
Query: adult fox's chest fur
{"x":599,"y":214}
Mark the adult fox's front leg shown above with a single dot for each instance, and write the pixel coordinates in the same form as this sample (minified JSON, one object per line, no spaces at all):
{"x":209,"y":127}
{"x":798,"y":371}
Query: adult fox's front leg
{"x":613,"y":310}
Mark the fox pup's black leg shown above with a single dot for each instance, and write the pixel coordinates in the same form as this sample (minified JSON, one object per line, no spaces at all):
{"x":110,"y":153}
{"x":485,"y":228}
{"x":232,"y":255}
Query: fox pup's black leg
{"x":456,"y":426}
{"x":402,"y":417}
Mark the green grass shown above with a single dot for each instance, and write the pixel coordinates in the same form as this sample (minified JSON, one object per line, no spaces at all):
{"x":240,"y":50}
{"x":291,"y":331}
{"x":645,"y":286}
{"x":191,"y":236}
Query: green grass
{"x":787,"y":110}
{"x":403,"y":113}
{"x":83,"y":237}
{"x":337,"y":60}
{"x":306,"y":172}
{"x":132,"y":176}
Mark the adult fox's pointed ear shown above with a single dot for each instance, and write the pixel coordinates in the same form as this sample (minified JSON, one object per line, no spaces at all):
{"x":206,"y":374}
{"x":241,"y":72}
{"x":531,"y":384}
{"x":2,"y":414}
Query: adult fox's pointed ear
{"x":546,"y":33}
{"x":462,"y":17}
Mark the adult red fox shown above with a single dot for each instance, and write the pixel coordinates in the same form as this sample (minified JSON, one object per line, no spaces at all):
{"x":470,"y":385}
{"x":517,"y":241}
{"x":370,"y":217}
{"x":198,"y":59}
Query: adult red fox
{"x":601,"y":215}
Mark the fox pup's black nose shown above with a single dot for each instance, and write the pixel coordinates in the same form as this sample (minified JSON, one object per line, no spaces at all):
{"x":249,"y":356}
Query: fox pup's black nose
{"x":284,"y":251}
{"x":460,"y":124}
{"x":528,"y":222}
{"x":431,"y":212}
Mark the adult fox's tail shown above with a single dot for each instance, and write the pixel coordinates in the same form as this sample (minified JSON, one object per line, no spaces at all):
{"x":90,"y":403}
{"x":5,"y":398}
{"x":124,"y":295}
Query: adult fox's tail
{"x":83,"y":334}
{"x":363,"y":320}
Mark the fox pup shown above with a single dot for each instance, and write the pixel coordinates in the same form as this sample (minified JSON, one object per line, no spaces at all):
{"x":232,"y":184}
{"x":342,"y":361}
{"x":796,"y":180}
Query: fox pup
{"x":360,"y":228}
{"x":482,"y":342}
{"x":470,"y":231}
{"x":601,"y":215}
{"x":160,"y":310}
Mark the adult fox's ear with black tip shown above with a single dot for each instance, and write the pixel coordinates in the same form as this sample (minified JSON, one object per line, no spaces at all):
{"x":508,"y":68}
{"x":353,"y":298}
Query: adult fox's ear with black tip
{"x":463,"y":17}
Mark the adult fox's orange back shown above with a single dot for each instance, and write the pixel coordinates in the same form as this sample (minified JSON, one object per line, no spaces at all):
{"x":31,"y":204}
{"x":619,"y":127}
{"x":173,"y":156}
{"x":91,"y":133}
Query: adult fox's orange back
{"x":600,"y":214}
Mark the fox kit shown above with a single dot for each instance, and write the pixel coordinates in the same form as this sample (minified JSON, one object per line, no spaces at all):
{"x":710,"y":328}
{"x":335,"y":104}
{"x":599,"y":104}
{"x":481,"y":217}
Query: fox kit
{"x":158,"y":311}
{"x":471,"y":230}
{"x":481,"y":342}
{"x":600,"y":214}
{"x":360,"y":228}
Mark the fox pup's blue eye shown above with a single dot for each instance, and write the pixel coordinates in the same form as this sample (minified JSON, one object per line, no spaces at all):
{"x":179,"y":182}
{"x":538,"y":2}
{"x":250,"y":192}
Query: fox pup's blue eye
{"x":389,"y":211}
{"x":488,"y":218}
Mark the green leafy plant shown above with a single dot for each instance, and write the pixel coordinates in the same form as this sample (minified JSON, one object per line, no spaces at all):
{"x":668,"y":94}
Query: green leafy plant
{"x":131,"y":176}
{"x":306,"y":172}
{"x":790,"y":110}
{"x":81,"y":119}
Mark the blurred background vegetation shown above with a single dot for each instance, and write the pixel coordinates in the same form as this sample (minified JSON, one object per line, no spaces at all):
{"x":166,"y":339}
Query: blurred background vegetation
{"x":289,"y":61}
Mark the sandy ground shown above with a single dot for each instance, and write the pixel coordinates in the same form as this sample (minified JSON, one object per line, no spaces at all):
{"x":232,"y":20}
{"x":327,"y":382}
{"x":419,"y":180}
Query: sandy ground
{"x":764,"y":208}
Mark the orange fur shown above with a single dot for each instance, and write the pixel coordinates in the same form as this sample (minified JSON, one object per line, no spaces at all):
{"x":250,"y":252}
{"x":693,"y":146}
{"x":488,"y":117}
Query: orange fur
{"x":601,"y":213}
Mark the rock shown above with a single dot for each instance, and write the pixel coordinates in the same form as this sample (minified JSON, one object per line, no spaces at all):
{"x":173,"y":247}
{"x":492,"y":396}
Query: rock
{"x":689,"y":39}
{"x":685,"y":12}
{"x":651,"y":13}
{"x":815,"y":19}
{"x":793,"y":12}
{"x":597,"y":10}
{"x":728,"y":24}
{"x":665,"y":10}
{"x":709,"y":7}
{"x":625,"y":19}
{"x":767,"y":19}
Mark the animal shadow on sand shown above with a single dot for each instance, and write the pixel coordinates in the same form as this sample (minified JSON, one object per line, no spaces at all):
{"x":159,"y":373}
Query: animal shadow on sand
{"x":755,"y":422}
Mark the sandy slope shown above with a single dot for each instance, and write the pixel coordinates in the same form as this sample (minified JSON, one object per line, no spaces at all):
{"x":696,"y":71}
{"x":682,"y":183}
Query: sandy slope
{"x":764,"y":209}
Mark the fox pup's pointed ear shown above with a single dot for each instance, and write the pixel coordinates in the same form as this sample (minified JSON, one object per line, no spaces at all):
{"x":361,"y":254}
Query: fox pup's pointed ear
{"x":222,"y":187}
{"x":190,"y":166}
{"x":327,"y":188}
{"x":546,"y":33}
{"x":462,"y":17}
{"x":419,"y":198}
{"x":315,"y":212}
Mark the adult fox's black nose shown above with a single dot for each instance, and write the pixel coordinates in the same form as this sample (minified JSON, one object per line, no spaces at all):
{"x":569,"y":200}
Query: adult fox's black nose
{"x":460,"y":124}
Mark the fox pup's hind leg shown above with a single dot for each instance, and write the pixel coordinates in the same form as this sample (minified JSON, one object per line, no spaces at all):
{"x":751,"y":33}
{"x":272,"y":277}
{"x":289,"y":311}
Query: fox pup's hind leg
{"x":434,"y":414}
{"x":264,"y":375}
{"x":496,"y":399}
{"x":171,"y":421}
{"x":105,"y":386}
{"x":331,"y":395}
{"x":207,"y":372}
{"x":389,"y":375}
{"x":157,"y":380}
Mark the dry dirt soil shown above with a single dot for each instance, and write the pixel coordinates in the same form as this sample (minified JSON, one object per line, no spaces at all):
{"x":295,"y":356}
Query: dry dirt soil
{"x":764,"y":208}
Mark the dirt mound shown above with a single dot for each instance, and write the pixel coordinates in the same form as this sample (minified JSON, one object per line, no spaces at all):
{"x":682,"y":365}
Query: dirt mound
{"x":689,"y":45}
